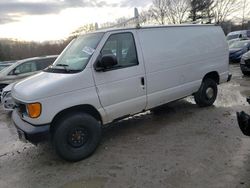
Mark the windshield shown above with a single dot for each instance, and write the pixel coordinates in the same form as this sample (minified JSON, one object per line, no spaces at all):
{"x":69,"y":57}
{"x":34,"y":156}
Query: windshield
{"x":77,"y":54}
{"x":230,"y":37}
{"x":239,"y":44}
{"x":3,"y":66}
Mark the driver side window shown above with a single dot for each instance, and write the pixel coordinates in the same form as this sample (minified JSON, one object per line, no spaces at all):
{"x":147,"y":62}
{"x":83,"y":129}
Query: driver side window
{"x":122,"y":46}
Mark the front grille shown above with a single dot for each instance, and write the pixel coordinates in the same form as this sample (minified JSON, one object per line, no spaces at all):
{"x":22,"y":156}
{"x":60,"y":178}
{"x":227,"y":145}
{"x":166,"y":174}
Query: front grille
{"x":4,"y":94}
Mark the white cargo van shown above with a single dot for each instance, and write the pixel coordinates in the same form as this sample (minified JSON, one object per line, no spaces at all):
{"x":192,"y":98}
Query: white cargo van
{"x":108,"y":75}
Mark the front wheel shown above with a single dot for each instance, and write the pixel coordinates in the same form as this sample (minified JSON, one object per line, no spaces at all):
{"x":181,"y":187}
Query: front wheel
{"x":76,"y":136}
{"x":207,"y":93}
{"x":246,"y":73}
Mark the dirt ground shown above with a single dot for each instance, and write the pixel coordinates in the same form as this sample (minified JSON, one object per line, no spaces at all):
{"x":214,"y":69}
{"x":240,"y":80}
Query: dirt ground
{"x":182,"y":146}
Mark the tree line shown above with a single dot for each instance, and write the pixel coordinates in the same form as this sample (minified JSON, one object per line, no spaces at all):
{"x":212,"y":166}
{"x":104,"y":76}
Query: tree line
{"x":16,"y":50}
{"x":192,"y":11}
{"x":230,"y":14}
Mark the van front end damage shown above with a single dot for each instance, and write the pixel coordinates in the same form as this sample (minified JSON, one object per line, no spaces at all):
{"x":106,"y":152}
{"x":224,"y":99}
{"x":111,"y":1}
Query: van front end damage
{"x":244,"y":121}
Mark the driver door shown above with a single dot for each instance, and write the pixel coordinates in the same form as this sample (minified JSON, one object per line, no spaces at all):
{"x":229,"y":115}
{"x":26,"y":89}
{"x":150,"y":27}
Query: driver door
{"x":121,"y":88}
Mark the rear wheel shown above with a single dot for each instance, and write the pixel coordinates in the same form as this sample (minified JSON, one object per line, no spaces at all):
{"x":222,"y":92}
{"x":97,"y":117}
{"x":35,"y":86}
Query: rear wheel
{"x":207,"y":93}
{"x":76,"y":136}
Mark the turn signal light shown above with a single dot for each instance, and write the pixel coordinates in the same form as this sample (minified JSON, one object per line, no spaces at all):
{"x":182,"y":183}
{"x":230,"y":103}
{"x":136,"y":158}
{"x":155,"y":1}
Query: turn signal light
{"x":34,"y":110}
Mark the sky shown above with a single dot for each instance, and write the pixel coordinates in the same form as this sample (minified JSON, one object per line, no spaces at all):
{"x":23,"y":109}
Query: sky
{"x":43,"y":20}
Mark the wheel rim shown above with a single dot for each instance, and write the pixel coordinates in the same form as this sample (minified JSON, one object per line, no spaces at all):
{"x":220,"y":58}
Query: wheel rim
{"x":77,"y":137}
{"x":209,"y":93}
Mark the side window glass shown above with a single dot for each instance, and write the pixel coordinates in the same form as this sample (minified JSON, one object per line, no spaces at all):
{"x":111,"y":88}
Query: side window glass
{"x":44,"y":63}
{"x":110,"y":47}
{"x":26,"y":67}
{"x":121,"y":45}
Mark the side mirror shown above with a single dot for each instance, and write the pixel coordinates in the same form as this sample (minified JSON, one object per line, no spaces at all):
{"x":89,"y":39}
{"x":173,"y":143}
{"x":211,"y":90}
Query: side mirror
{"x":106,"y":61}
{"x":16,"y":72}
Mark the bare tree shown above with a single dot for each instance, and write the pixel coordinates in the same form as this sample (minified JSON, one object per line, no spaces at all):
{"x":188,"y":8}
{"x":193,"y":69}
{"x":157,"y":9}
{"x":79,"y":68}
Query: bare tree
{"x":12,"y":49}
{"x":145,"y":16}
{"x":200,"y":9}
{"x":169,"y":11}
{"x":84,"y":29}
{"x":208,"y":12}
{"x":245,"y":12}
{"x":225,"y":8}
{"x":196,"y":7}
{"x":159,"y":11}
{"x":177,"y":11}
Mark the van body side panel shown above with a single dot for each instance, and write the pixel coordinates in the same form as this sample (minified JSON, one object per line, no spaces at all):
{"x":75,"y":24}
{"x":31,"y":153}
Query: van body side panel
{"x":177,"y":59}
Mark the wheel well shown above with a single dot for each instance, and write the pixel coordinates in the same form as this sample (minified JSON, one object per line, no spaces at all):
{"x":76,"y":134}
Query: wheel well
{"x":79,"y":108}
{"x":213,"y":75}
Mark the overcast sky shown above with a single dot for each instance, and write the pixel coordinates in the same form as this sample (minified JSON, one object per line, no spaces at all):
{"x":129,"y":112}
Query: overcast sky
{"x":41,"y":20}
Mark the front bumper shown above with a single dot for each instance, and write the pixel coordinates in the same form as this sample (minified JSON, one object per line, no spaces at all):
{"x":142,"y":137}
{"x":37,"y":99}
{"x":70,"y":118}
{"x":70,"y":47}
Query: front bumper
{"x":31,"y":133}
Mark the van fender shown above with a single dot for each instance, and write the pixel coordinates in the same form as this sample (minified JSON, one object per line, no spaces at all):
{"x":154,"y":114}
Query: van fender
{"x":86,"y":108}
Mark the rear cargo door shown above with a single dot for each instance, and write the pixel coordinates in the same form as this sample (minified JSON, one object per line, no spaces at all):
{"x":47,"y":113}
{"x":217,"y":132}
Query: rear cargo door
{"x":122,"y":88}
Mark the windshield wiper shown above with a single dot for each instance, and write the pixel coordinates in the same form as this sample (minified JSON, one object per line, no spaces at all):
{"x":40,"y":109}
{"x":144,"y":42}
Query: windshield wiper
{"x":59,"y":70}
{"x":64,"y":66}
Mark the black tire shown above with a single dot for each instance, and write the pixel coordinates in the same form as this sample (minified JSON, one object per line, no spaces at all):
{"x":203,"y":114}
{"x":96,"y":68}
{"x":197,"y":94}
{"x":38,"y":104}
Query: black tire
{"x":245,"y":73}
{"x":202,"y":97}
{"x":76,"y":136}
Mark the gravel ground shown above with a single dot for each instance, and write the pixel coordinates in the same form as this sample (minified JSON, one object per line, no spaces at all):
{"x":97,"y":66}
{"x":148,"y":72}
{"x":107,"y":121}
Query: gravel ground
{"x":181,"y":146}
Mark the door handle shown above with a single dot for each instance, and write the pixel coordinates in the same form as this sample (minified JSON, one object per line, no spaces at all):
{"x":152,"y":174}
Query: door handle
{"x":142,"y":81}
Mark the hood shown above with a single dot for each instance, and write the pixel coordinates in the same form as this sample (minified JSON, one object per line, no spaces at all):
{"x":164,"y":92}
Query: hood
{"x":234,"y":50}
{"x":246,"y":55}
{"x":47,"y":84}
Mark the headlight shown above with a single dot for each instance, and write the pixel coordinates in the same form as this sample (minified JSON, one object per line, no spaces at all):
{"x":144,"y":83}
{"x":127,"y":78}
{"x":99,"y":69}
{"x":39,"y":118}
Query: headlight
{"x":34,"y":110}
{"x":6,"y":94}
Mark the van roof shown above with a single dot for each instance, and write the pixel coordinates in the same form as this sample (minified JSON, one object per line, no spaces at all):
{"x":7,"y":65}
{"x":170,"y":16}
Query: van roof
{"x":151,"y":27}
